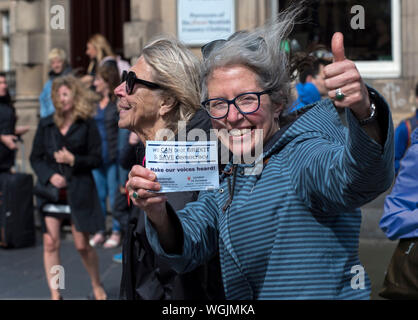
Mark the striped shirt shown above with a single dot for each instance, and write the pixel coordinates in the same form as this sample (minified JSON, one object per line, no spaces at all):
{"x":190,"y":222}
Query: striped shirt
{"x":292,"y":232}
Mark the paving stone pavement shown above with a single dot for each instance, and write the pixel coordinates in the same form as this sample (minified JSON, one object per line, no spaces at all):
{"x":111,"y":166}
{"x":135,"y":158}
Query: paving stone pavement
{"x":22,"y":276}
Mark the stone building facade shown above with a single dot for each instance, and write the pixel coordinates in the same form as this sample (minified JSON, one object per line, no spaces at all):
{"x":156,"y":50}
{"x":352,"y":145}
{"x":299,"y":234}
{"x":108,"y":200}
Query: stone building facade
{"x":29,"y":39}
{"x":30,"y":36}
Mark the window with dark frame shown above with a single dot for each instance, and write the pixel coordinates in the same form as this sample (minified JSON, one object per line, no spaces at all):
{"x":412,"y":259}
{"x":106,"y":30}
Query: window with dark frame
{"x":5,"y":52}
{"x":5,"y":40}
{"x":324,"y":17}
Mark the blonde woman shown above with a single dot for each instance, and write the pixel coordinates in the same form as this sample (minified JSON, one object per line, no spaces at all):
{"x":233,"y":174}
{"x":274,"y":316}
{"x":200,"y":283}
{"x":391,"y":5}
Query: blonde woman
{"x":57,"y":59}
{"x":66,"y":148}
{"x":98,"y":50}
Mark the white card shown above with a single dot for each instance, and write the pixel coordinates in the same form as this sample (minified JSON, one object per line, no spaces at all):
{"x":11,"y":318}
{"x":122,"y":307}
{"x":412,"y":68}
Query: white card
{"x":184,"y":165}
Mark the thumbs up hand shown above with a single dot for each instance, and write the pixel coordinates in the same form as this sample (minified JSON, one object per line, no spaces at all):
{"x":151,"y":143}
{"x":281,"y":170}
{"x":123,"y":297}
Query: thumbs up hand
{"x":342,"y":75}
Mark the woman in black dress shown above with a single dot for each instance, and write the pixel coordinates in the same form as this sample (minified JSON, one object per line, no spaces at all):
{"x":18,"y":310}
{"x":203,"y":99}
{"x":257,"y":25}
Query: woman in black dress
{"x":66,"y":148}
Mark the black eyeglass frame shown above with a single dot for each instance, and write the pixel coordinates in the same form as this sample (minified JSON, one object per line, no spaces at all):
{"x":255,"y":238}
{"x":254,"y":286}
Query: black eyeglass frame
{"x":229,"y":102}
{"x":131,"y":79}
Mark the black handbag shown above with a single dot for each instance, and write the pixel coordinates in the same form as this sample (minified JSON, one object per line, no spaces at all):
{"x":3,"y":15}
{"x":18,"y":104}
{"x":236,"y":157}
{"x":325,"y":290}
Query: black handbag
{"x":47,"y":192}
{"x":401,"y":281}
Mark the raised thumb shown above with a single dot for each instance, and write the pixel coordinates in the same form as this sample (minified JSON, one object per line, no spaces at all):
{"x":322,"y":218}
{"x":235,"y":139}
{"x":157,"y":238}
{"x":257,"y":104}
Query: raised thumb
{"x":337,"y":47}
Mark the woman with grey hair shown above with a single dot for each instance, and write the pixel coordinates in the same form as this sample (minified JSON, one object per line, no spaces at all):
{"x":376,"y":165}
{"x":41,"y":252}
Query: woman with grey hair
{"x":161,"y":90}
{"x":290,"y":231}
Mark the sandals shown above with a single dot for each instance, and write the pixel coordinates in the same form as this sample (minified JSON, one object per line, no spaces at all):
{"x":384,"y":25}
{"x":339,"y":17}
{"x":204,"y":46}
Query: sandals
{"x":97,"y":240}
{"x":103,"y":296}
{"x":113,"y":241}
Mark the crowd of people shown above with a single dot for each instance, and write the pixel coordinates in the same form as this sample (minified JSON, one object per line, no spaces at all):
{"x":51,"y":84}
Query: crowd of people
{"x":211,"y":245}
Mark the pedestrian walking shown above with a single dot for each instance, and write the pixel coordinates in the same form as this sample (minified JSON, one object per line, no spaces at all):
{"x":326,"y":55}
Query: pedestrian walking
{"x":100,"y":52}
{"x":106,"y":176}
{"x":66,"y":148}
{"x":98,"y":49}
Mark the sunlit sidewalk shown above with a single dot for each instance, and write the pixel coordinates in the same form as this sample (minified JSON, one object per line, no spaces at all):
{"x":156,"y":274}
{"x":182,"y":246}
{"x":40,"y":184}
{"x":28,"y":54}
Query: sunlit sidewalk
{"x":22,"y":275}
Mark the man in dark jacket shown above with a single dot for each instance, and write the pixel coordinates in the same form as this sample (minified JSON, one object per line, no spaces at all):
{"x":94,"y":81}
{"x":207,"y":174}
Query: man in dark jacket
{"x":7,"y":137}
{"x":8,"y":131}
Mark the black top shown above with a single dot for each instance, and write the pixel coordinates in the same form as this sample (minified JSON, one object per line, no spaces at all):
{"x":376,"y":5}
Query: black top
{"x":112,"y":130}
{"x":7,"y":127}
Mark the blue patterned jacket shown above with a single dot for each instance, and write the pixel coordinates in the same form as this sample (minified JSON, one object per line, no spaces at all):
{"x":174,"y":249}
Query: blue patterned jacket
{"x":292,"y":232}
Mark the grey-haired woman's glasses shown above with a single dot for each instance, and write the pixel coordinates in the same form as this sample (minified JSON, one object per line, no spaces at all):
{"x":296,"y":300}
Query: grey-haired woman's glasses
{"x":246,"y":103}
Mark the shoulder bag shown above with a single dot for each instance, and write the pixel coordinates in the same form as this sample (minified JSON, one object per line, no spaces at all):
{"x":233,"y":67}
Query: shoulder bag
{"x":48,"y":191}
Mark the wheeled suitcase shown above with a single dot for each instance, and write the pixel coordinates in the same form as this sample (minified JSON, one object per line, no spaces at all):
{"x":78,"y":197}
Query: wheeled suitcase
{"x":17,"y":227}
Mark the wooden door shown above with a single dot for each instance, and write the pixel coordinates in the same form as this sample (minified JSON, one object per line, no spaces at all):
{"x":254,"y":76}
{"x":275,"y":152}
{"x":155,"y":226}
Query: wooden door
{"x":96,"y":16}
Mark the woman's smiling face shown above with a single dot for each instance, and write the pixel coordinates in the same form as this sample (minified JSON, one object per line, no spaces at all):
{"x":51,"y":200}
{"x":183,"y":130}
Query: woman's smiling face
{"x":242,"y":133}
{"x":138,"y":110}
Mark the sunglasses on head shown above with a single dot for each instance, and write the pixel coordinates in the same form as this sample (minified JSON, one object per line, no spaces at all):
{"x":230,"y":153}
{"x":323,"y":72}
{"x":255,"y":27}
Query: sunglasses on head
{"x":131,"y":79}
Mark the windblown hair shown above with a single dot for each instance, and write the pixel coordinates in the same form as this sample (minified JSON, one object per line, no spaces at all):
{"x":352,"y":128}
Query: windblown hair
{"x":176,"y":69}
{"x":84,"y":100}
{"x":262,"y":51}
{"x":103,"y":48}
